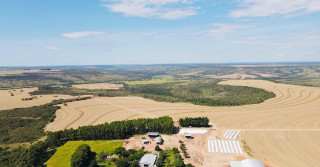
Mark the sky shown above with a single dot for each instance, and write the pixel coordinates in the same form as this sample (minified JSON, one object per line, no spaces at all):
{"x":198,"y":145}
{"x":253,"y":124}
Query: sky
{"x":105,"y":32}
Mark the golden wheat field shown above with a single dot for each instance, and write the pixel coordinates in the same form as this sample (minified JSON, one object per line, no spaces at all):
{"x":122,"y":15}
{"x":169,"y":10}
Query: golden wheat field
{"x":13,"y":98}
{"x":99,"y":86}
{"x":283,"y":130}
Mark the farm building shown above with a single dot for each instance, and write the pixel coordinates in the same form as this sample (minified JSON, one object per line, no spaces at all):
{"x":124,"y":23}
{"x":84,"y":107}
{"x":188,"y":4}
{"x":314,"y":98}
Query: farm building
{"x":153,"y":134}
{"x":246,"y":163}
{"x":145,"y":142}
{"x":158,"y":140}
{"x":148,"y":160}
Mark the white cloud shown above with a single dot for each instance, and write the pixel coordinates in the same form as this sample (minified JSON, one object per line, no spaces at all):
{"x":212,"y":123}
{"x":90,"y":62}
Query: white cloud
{"x":53,"y":47}
{"x":260,"y":8}
{"x":163,"y":9}
{"x":222,"y":30}
{"x":81,"y":34}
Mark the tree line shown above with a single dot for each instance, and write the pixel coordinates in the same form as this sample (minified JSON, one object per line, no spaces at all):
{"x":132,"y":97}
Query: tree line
{"x":194,"y":122}
{"x":43,"y":90}
{"x":114,"y":130}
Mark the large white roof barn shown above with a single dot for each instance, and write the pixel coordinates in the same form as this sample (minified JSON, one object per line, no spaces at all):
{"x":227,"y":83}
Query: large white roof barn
{"x":148,"y":160}
{"x":246,"y":163}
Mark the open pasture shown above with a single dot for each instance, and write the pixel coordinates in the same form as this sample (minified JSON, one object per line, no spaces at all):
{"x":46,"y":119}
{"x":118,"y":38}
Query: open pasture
{"x":62,"y":156}
{"x":295,"y":108}
{"x":10,"y":99}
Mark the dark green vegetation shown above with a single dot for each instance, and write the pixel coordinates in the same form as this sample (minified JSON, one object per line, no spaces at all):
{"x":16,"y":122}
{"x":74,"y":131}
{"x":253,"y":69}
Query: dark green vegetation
{"x":194,"y":122}
{"x":202,"y":92}
{"x":27,"y":124}
{"x":83,"y":157}
{"x":128,"y":158}
{"x":40,"y":152}
{"x":170,"y":158}
{"x":76,"y":92}
{"x":184,"y":149}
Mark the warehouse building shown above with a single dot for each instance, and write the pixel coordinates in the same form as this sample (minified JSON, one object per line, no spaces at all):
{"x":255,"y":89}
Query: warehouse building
{"x":153,"y":134}
{"x":148,"y":160}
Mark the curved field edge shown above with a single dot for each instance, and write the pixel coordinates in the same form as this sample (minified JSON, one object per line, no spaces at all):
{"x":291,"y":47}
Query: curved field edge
{"x":62,"y":157}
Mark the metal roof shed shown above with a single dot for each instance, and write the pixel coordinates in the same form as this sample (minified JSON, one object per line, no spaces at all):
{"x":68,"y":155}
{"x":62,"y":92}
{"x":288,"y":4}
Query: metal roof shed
{"x":153,"y":134}
{"x":148,"y":160}
{"x":246,"y":163}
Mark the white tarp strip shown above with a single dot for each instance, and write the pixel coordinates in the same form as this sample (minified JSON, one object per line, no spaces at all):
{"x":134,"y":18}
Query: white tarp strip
{"x":228,"y":149}
{"x":209,"y":146}
{"x":224,"y":146}
{"x":220,"y":147}
{"x":212,"y":146}
{"x":231,"y":146}
{"x":239,"y":147}
{"x":230,"y":132}
{"x":225,"y":134}
{"x":230,"y":137}
{"x":236,"y":135}
{"x":216,"y":145}
{"x":193,"y":131}
{"x":235,"y":146}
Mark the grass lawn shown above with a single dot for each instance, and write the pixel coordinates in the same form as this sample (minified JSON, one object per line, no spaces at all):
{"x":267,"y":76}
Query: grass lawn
{"x":62,"y":157}
{"x":161,"y":79}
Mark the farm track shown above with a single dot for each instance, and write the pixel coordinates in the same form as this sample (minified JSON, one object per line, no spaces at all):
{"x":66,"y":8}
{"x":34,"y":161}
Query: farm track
{"x":77,"y":119}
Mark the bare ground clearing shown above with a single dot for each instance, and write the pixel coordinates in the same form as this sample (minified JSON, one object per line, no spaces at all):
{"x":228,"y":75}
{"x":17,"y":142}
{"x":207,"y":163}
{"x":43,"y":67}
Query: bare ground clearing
{"x":293,"y":114}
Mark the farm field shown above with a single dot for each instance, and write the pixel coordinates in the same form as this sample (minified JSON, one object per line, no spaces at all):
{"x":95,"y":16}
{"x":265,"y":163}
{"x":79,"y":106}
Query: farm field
{"x":62,"y":156}
{"x":155,"y":80}
{"x":232,"y":76}
{"x":10,"y":99}
{"x":99,"y":86}
{"x":293,"y":114}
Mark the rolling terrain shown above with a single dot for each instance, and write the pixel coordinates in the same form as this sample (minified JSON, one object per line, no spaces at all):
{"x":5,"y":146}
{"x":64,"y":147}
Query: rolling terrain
{"x":290,"y":120}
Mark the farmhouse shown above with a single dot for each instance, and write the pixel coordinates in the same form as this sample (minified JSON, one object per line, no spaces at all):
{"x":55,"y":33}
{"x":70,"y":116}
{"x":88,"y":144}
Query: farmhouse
{"x":153,"y":134}
{"x":246,"y":163}
{"x":148,"y":160}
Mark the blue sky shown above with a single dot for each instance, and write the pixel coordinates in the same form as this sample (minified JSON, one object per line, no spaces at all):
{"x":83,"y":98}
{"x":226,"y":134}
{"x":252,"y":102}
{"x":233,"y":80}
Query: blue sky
{"x":90,"y":32}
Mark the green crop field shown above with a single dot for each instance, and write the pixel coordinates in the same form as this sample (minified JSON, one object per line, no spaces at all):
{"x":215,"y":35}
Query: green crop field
{"x":62,"y":157}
